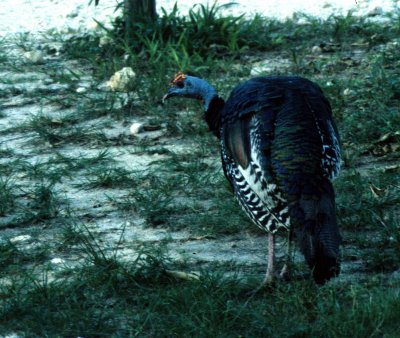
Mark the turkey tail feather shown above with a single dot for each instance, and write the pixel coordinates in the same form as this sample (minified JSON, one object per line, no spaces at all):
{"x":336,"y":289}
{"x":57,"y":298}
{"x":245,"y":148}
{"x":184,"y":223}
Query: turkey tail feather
{"x":319,"y":235}
{"x":328,"y":240}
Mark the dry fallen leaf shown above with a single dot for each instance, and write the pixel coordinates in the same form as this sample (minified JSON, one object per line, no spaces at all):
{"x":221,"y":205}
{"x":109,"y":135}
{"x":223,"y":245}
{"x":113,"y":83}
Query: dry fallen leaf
{"x":389,"y":137}
{"x":183,"y":275}
{"x":377,"y":192}
{"x":390,"y":168}
{"x":387,"y":143}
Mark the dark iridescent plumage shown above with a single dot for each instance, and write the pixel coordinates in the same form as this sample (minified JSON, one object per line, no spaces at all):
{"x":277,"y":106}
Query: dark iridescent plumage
{"x":280,"y":149}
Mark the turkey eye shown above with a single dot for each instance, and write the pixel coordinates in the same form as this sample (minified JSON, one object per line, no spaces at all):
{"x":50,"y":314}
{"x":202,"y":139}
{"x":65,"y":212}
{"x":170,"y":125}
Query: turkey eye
{"x":180,"y":84}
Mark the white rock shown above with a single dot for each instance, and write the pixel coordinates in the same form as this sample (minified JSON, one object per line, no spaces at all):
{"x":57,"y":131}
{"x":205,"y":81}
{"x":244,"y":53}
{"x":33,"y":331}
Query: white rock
{"x":136,"y":128}
{"x":316,"y":50}
{"x":81,"y":90}
{"x":57,"y":261}
{"x":21,"y":238}
{"x":35,"y":57}
{"x":348,"y":92}
{"x":120,"y":80}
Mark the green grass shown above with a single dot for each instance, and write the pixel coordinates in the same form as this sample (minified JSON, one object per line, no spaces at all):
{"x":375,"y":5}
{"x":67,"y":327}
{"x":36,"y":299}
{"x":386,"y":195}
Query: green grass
{"x":101,"y":291}
{"x":110,"y":298}
{"x":6,"y":195}
{"x":15,"y":260}
{"x":357,"y":205}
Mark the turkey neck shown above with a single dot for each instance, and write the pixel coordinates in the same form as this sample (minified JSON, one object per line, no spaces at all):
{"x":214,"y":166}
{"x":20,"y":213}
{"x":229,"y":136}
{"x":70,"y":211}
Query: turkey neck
{"x":212,"y":115}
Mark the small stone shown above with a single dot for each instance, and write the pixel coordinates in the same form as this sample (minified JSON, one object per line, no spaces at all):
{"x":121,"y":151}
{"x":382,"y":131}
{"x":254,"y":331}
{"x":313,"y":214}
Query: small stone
{"x":57,"y":261}
{"x":136,"y":128}
{"x":81,"y":90}
{"x":21,"y":238}
{"x":329,"y":83}
{"x":35,"y":57}
{"x":121,"y":80}
{"x":316,"y":50}
{"x":348,"y":92}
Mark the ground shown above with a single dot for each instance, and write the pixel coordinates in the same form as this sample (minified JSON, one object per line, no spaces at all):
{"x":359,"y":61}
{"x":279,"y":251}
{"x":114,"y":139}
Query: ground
{"x":94,"y":218}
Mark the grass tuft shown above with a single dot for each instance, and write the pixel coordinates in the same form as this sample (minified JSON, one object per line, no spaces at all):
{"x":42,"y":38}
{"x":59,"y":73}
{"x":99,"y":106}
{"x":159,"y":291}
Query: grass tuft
{"x":6,"y":194}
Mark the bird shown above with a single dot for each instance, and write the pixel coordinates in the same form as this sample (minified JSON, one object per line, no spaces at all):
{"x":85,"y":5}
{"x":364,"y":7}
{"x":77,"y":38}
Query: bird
{"x":280,"y":151}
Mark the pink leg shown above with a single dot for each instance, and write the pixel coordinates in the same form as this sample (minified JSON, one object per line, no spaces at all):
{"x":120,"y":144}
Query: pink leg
{"x":285,"y":272}
{"x":270,"y":275}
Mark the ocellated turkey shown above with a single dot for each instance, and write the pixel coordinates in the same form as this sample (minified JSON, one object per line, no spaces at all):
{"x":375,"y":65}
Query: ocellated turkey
{"x":280,"y":151}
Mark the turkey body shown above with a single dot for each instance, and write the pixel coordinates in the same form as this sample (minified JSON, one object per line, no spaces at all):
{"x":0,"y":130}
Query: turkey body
{"x":280,"y":151}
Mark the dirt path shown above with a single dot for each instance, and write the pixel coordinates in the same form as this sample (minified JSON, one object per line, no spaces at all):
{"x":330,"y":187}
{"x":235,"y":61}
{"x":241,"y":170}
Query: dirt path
{"x":27,"y":92}
{"x":27,"y":16}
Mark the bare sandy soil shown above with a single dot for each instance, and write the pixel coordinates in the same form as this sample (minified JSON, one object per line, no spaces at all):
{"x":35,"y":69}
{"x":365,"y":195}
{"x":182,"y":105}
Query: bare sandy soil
{"x":30,"y":16}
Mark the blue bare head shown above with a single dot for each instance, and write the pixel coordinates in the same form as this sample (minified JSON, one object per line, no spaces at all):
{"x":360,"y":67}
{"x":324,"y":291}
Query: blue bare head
{"x":191,"y":87}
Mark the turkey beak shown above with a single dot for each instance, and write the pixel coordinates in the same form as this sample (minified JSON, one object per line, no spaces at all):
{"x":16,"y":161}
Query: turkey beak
{"x":169,"y":94}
